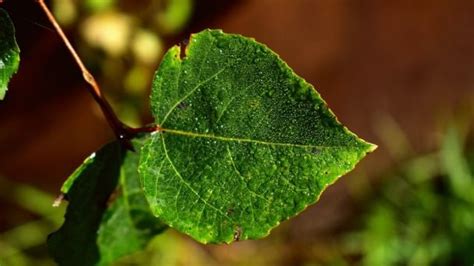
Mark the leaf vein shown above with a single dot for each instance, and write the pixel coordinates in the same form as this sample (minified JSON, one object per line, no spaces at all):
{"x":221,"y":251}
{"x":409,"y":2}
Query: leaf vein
{"x":187,"y":184}
{"x":229,"y":153}
{"x":232,"y":99}
{"x":190,"y":93}
{"x":236,"y":139}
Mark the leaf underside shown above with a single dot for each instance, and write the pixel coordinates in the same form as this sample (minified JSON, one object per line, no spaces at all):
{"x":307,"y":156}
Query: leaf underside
{"x":245,"y":143}
{"x":9,"y":52}
{"x":99,"y":227}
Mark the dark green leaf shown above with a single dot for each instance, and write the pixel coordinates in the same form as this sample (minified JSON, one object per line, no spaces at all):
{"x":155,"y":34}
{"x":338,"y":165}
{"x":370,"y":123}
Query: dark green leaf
{"x":9,"y":52}
{"x":93,"y":232}
{"x":245,"y":142}
{"x":128,"y":224}
{"x":87,"y":191}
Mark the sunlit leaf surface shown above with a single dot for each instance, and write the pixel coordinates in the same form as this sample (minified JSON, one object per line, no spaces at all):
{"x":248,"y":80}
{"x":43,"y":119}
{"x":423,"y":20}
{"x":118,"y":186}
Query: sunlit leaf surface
{"x":245,"y":142}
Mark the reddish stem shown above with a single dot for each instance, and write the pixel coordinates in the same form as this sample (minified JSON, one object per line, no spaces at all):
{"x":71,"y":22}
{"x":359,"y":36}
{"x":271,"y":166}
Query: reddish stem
{"x":121,"y":131}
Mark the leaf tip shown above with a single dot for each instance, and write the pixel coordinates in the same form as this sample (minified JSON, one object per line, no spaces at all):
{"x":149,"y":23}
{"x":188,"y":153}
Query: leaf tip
{"x":371,"y":147}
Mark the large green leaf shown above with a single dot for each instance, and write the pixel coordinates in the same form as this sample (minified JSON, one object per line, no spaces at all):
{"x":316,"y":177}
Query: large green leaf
{"x":244,"y":144}
{"x":9,"y":52}
{"x":95,"y":233}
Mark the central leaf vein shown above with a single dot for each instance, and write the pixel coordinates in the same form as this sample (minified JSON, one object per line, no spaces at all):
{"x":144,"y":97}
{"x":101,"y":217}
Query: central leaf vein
{"x":236,"y":139}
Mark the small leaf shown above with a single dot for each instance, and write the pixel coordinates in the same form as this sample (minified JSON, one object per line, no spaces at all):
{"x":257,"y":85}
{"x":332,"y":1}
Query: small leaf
{"x":93,"y":233}
{"x":245,"y":143}
{"x":9,"y":52}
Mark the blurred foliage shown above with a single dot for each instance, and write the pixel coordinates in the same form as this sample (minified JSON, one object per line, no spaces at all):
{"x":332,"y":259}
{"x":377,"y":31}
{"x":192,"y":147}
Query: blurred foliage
{"x":422,"y":213}
{"x":26,"y":244}
{"x":122,"y":42}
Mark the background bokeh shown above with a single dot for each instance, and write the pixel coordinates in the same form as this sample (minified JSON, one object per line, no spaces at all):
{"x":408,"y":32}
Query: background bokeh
{"x":399,"y":73}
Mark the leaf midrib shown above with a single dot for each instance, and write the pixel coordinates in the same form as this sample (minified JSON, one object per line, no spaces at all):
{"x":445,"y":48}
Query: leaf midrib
{"x":237,"y":139}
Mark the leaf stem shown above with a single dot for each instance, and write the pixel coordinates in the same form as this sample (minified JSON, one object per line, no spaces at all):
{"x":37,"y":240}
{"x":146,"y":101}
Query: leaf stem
{"x":121,"y":131}
{"x":145,"y":129}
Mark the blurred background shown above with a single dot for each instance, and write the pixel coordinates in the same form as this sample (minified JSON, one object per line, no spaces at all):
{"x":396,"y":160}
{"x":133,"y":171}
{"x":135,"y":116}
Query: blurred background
{"x":398,"y":73}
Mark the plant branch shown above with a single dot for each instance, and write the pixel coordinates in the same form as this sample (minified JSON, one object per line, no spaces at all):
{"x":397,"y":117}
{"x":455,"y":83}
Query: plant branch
{"x":122,"y":132}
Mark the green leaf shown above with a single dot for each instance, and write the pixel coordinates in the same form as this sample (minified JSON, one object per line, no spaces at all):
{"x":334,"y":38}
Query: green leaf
{"x":87,"y":190}
{"x":128,"y":225}
{"x":244,"y":144}
{"x":9,"y":52}
{"x":95,"y":233}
